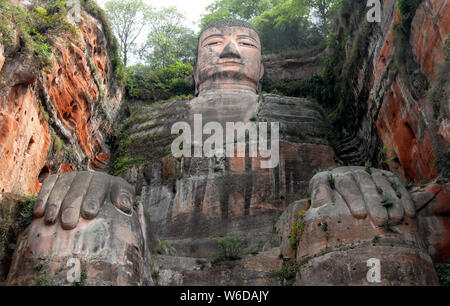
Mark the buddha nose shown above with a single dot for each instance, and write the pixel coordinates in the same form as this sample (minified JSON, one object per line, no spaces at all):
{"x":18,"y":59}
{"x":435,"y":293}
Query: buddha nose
{"x":230,"y":51}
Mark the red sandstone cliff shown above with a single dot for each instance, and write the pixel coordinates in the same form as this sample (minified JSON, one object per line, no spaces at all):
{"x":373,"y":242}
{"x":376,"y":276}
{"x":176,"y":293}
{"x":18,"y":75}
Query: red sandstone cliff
{"x":57,"y":120}
{"x":405,"y":123}
{"x":396,"y":108}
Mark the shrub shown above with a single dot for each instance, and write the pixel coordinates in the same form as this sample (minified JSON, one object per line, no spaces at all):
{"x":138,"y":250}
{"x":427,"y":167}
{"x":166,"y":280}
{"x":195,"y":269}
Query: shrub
{"x":42,"y":280}
{"x":17,"y":219}
{"x":232,"y":247}
{"x":368,"y":167}
{"x":25,"y":211}
{"x":443,"y":271}
{"x":122,"y":164}
{"x":161,"y":249}
{"x":386,"y":202}
{"x":113,"y":45}
{"x":143,"y":83}
{"x":35,"y":28}
{"x":297,"y":229}
{"x":331,"y":180}
{"x":287,"y":273}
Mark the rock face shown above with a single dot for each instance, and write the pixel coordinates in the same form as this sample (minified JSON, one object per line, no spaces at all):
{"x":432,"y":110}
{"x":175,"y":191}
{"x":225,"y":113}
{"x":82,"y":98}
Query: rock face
{"x":346,"y":227}
{"x":106,"y":245}
{"x":229,"y":220}
{"x":192,"y":200}
{"x":57,"y":120}
{"x":394,"y":119}
{"x":434,"y":219}
{"x":294,"y":67}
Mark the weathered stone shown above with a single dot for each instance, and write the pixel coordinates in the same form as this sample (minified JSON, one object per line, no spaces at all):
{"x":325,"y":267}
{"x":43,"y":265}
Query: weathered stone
{"x":2,"y":56}
{"x":285,"y":224}
{"x":110,"y":249}
{"x":69,"y":108}
{"x":294,"y":67}
{"x":400,"y":265}
{"x":392,"y":110}
{"x":434,"y":219}
{"x":348,"y":224}
{"x":354,"y":214}
{"x":251,"y":270}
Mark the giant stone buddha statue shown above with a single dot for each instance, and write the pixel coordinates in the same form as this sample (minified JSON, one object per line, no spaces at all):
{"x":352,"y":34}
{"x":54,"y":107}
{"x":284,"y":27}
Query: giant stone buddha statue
{"x":94,"y":217}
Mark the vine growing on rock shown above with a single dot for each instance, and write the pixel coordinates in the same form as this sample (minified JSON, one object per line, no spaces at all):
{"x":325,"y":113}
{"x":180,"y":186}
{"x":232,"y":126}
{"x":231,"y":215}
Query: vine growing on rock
{"x":113,"y":45}
{"x":19,"y":214}
{"x":29,"y":32}
{"x":404,"y":58}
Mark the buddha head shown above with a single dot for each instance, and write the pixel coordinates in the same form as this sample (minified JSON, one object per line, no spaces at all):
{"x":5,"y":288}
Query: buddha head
{"x":228,"y":58}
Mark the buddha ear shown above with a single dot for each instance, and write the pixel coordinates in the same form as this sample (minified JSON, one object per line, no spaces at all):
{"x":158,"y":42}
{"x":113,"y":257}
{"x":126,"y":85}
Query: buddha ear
{"x":261,"y":74}
{"x":261,"y":71}
{"x":195,"y":80}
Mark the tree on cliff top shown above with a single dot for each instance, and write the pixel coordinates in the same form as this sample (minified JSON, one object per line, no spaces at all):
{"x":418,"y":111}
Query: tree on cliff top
{"x":168,"y":40}
{"x":235,"y":9}
{"x":323,"y":11}
{"x":128,"y":19}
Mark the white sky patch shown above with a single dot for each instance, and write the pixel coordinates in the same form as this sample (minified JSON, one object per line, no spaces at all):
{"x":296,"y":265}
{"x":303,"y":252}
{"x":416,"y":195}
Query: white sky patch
{"x":192,"y":10}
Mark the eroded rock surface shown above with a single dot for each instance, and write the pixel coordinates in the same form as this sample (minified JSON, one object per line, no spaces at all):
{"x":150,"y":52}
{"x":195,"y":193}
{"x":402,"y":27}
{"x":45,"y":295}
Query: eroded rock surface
{"x":56,"y":120}
{"x":394,"y":118}
{"x":88,"y":218}
{"x":356,"y":216}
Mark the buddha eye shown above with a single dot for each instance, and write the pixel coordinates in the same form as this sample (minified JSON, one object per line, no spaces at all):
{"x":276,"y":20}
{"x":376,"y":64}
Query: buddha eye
{"x":214,"y":43}
{"x":247,"y":44}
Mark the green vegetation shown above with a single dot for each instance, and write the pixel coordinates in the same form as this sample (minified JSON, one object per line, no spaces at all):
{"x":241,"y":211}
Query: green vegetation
{"x":386,"y":202}
{"x":144,"y":83}
{"x":93,"y":9}
{"x":438,"y":95}
{"x":282,"y":24}
{"x":443,"y":271}
{"x":324,"y":228}
{"x":168,"y":41}
{"x":404,"y":58}
{"x":161,"y":249}
{"x":385,"y":149}
{"x":388,"y":224}
{"x":25,"y":211}
{"x":128,"y":18}
{"x":35,"y":28}
{"x":368,"y":167}
{"x":410,"y":185}
{"x":18,"y":217}
{"x":287,"y":273}
{"x":122,"y":164}
{"x":232,"y":248}
{"x":395,"y":186}
{"x":392,"y":159}
{"x":6,"y":235}
{"x":42,"y":280}
{"x":83,"y":275}
{"x":331,"y":180}
{"x":379,"y":189}
{"x":375,"y":240}
{"x":297,"y":229}
{"x":316,"y":87}
{"x":40,"y":265}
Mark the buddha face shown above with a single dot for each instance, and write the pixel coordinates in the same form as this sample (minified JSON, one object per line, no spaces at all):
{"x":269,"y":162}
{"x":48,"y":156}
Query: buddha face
{"x":229,"y":58}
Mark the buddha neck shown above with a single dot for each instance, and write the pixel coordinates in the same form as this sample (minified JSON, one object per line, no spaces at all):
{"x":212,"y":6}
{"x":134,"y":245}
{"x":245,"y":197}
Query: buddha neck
{"x":224,"y":87}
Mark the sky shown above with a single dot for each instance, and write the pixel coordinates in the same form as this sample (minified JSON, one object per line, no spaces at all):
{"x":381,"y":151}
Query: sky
{"x":192,"y":9}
